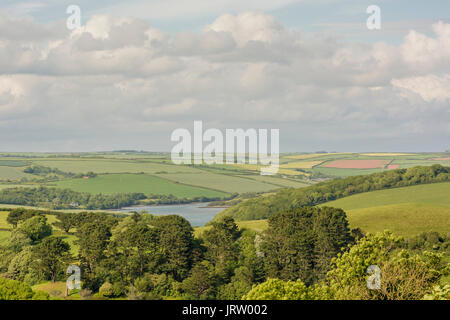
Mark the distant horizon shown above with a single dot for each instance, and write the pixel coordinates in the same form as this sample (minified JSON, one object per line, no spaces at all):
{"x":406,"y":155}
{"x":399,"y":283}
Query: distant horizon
{"x":168,"y":152}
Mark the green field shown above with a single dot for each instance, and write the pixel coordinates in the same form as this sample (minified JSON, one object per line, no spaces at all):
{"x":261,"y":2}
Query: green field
{"x":144,"y":183}
{"x":223,"y":182}
{"x":402,"y":219}
{"x":277,"y":182}
{"x":435,"y":194}
{"x":405,"y":211}
{"x":13,"y":163}
{"x":4,"y":227}
{"x":12,"y":173}
{"x":112,"y":166}
{"x":6,"y":186}
{"x":3,"y":223}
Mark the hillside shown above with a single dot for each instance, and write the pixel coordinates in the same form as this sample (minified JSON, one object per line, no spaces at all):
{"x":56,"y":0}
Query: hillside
{"x":262,"y":208}
{"x":405,"y":211}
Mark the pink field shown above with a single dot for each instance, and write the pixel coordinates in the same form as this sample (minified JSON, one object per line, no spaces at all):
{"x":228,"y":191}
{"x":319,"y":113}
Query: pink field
{"x":357,"y":164}
{"x":441,"y":159}
{"x":392,"y":166}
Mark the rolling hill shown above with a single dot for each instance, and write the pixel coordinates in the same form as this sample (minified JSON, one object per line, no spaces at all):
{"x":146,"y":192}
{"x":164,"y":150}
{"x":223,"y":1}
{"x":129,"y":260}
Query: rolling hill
{"x":405,"y":211}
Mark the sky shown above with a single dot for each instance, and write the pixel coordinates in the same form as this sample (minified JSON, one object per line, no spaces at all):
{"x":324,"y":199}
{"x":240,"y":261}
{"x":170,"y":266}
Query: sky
{"x":137,"y":70}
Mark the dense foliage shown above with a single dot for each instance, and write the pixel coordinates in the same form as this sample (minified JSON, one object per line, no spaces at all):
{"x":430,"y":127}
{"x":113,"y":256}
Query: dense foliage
{"x":300,"y":243}
{"x":16,"y":290}
{"x":66,"y":198}
{"x":403,"y":275}
{"x":306,"y":253}
{"x":264,"y":207}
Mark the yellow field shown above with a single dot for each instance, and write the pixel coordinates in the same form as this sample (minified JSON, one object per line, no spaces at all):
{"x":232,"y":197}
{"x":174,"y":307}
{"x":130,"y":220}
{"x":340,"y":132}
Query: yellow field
{"x":385,"y":154}
{"x":248,"y":166}
{"x":282,"y":170}
{"x":312,"y":155}
{"x":289,"y":172}
{"x":300,"y":164}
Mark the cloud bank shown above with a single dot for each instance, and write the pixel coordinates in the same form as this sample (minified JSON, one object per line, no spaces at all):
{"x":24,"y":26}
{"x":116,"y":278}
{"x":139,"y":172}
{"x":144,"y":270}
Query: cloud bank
{"x":120,"y":83}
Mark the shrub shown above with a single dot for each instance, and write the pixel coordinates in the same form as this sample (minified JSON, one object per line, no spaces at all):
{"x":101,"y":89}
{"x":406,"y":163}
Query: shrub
{"x":106,"y":290}
{"x":14,"y":290}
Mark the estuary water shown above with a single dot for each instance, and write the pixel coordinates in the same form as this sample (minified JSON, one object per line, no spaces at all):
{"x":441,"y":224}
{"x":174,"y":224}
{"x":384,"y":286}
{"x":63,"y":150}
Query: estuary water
{"x":196,"y":213}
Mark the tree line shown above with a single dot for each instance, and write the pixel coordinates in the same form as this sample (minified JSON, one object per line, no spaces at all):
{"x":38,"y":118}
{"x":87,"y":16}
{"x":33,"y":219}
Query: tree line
{"x":55,"y":198}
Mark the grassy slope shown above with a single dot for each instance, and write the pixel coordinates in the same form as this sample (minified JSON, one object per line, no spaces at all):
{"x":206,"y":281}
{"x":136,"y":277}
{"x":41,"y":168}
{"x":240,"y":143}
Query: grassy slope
{"x":287,"y":183}
{"x":402,"y":219}
{"x":222,"y":182}
{"x":114,"y":183}
{"x":405,"y":211}
{"x":13,"y":173}
{"x":436,"y":193}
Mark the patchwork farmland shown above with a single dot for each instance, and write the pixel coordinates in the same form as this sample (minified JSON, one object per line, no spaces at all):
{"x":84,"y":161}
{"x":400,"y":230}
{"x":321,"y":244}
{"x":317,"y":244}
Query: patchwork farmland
{"x":155,"y":174}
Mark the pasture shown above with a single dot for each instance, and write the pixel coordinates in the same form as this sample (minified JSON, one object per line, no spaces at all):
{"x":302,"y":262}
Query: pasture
{"x":435,"y":194}
{"x":406,"y":219}
{"x":141,"y":183}
{"x":222,"y":182}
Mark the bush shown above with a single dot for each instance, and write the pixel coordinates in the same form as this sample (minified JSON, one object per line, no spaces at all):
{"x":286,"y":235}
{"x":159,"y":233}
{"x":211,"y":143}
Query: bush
{"x":14,"y":290}
{"x":106,"y":290}
{"x":439,"y":293}
{"x":41,"y":295}
{"x":275,"y":289}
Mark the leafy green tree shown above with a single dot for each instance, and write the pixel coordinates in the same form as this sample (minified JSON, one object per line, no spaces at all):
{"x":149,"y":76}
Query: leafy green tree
{"x":18,"y":241}
{"x":13,"y":218}
{"x":289,"y":245}
{"x":403,"y":275}
{"x":200,"y":285}
{"x":52,"y":256}
{"x":176,"y":240}
{"x":251,"y":255}
{"x":134,"y":249}
{"x":36,"y":228}
{"x":300,"y":243}
{"x":21,"y":265}
{"x":17,"y":215}
{"x":240,"y":284}
{"x":66,"y":221}
{"x":222,"y":249}
{"x":93,"y":239}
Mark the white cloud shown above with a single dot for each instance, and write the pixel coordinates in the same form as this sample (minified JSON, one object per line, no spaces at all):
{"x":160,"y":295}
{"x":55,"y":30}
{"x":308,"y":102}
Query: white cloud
{"x":119,"y":82}
{"x":430,"y":87}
